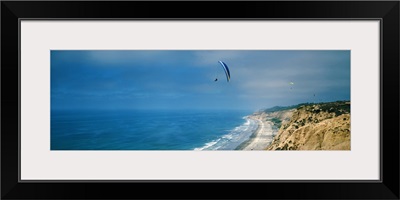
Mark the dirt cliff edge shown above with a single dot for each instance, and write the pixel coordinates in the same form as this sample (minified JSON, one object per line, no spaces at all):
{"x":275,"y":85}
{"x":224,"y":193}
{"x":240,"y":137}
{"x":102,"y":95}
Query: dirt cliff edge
{"x":322,"y":126}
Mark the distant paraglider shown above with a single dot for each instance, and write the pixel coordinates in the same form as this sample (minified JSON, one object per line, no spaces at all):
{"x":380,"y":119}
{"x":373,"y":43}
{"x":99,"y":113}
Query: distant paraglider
{"x":291,"y":83}
{"x":226,"y":70}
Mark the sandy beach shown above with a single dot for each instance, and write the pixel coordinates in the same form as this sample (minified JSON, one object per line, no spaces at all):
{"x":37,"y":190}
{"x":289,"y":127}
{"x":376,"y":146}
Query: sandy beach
{"x":268,"y":127}
{"x":262,"y":137}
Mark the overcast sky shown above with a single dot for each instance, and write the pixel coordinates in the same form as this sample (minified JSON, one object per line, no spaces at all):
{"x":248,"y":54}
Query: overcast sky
{"x":181,"y":79}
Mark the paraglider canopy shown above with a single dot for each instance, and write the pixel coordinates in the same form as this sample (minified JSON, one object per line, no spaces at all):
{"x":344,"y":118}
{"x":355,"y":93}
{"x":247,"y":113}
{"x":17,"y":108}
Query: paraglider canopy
{"x":226,"y":70}
{"x":291,"y":83}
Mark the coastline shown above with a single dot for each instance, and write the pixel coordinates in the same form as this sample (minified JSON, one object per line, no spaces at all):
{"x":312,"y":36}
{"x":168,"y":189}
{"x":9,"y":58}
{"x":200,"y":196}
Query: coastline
{"x":269,"y":123}
{"x":262,"y":137}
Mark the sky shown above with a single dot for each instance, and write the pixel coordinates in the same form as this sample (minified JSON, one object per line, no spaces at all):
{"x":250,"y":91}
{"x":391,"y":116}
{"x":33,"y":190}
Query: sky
{"x":184,"y":79}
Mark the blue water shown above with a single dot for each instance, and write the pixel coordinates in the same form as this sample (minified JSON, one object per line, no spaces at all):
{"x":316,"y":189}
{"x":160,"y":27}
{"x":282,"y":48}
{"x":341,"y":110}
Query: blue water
{"x":149,"y":130}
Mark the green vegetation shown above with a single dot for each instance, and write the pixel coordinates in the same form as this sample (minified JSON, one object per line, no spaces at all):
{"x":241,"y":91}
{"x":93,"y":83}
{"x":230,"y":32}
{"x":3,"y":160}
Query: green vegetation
{"x":280,"y":108}
{"x":277,"y":122}
{"x":338,"y":107}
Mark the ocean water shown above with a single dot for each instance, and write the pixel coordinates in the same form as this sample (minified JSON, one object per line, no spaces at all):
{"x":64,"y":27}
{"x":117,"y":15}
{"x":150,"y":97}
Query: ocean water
{"x":150,"y":130}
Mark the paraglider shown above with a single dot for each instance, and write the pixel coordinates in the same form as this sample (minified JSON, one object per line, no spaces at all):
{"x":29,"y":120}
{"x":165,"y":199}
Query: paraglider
{"x":291,"y":83}
{"x":226,"y":70}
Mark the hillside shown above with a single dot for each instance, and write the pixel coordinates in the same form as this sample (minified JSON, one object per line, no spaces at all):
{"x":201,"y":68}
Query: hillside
{"x":322,"y":126}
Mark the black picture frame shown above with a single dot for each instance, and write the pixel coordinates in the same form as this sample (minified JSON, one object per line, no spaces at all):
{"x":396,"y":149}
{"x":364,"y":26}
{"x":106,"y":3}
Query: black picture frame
{"x":386,"y":11}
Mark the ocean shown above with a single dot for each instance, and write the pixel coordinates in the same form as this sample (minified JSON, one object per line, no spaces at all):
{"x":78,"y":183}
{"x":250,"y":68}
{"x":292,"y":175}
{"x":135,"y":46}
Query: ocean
{"x":150,"y":129}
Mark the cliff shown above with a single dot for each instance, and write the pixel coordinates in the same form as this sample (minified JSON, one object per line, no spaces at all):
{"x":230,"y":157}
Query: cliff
{"x":322,"y":126}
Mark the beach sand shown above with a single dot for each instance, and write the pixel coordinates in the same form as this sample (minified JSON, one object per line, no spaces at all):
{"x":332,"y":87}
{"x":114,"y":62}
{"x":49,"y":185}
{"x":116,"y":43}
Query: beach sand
{"x":262,"y":137}
{"x":266,"y":130}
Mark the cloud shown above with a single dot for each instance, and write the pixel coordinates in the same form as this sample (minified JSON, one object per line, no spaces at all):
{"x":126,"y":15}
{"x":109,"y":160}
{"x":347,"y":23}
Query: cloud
{"x":258,"y":77}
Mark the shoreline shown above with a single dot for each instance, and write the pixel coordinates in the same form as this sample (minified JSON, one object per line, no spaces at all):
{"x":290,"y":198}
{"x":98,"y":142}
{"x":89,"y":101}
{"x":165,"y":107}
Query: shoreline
{"x":262,"y":137}
{"x":246,"y":143}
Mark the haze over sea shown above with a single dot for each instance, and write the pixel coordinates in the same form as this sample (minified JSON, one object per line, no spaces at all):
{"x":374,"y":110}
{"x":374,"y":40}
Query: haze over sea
{"x":150,"y":129}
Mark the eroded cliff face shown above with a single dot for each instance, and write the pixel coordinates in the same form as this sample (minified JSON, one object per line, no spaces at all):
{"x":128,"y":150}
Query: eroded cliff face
{"x":324,"y":126}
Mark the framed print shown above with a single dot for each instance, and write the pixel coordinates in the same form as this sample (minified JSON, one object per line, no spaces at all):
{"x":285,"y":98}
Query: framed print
{"x":110,"y":96}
